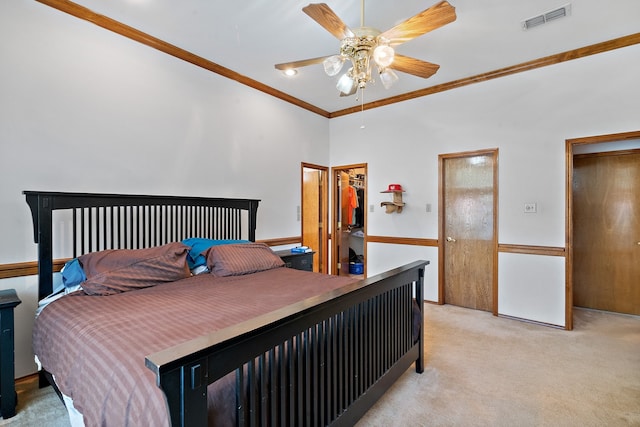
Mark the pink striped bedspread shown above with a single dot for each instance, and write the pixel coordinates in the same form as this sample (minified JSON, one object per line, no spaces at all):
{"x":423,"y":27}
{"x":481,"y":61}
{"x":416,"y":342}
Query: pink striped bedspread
{"x":95,"y":346}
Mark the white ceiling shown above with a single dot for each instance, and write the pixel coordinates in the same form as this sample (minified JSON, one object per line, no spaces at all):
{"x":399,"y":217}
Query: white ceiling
{"x":249,"y":37}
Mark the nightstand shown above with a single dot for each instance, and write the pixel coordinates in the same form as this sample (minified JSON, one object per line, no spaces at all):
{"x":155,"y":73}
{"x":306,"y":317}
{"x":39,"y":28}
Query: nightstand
{"x":297,"y":260}
{"x":8,"y":399}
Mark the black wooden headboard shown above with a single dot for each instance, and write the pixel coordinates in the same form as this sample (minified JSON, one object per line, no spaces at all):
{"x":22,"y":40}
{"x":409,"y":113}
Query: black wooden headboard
{"x":96,"y":222}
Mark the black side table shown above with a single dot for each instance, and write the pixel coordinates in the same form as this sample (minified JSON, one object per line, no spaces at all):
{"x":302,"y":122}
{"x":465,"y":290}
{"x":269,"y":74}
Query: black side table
{"x":8,"y":399}
{"x":297,"y":260}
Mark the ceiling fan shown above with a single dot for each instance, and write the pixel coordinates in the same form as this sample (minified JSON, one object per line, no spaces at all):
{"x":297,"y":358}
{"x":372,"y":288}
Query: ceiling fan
{"x":366,"y":46}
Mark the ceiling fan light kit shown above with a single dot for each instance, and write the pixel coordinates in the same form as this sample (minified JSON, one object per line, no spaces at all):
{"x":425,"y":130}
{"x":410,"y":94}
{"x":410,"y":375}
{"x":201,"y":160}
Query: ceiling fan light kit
{"x":365,"y":47}
{"x":333,"y":64}
{"x":383,"y":55}
{"x":388,"y":78}
{"x":347,"y":83}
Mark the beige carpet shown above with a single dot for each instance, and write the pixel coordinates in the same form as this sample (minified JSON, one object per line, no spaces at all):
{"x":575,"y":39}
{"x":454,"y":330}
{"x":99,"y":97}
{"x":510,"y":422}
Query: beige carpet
{"x":483,"y":370}
{"x":37,"y":407}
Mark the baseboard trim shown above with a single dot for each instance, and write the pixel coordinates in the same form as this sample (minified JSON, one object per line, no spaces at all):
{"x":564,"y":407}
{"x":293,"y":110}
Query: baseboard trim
{"x":534,"y":322}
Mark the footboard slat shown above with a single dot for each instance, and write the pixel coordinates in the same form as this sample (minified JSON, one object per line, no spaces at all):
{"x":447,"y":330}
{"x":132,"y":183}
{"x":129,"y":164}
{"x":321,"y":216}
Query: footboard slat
{"x":272,"y":392}
{"x":350,"y":389}
{"x":299,"y":379}
{"x":309,"y":383}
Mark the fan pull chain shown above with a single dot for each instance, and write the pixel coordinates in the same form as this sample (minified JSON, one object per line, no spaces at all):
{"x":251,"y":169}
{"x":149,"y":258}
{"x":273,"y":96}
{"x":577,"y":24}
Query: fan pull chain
{"x":362,"y":106}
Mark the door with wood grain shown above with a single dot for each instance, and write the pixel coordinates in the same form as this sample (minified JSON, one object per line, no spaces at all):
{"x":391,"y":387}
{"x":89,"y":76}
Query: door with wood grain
{"x":467,"y":241}
{"x":606,"y":231}
{"x":314,"y":214}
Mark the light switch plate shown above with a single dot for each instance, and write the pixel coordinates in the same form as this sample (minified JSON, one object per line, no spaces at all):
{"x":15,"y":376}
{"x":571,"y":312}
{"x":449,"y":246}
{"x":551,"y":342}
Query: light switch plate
{"x":530,"y":208}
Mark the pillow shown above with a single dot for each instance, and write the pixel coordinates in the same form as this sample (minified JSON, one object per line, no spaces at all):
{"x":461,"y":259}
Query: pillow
{"x":196,"y":258}
{"x":237,"y":259}
{"x":121,"y":270}
{"x":72,"y":274}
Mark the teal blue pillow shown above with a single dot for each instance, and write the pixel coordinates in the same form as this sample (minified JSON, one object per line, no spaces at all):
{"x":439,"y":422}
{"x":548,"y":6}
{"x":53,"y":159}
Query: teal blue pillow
{"x":72,"y":274}
{"x":196,"y":257}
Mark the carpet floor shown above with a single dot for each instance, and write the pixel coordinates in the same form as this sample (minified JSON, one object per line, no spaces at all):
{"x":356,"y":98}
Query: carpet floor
{"x":483,"y":370}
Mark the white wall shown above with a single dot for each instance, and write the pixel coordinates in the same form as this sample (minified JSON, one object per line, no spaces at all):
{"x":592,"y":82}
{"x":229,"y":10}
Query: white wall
{"x":531,"y":287}
{"x":383,"y":256}
{"x":83,"y":109}
{"x":528,"y":117}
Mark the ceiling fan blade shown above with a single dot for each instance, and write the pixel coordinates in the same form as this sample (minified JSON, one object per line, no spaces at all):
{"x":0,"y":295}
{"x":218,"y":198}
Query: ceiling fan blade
{"x":414,"y":66}
{"x":428,"y":20}
{"x":302,"y":63}
{"x":324,"y":16}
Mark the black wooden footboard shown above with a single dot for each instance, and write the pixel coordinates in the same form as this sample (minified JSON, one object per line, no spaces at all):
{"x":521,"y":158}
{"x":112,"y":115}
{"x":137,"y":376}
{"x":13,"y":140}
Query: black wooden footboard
{"x":323,"y":361}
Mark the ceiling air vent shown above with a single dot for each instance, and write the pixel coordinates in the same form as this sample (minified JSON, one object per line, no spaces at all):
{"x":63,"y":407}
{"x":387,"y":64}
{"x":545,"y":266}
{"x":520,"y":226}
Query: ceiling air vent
{"x":546,"y":17}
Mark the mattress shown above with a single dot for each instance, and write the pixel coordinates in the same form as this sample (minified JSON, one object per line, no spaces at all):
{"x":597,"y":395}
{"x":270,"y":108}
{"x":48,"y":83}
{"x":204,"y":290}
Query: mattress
{"x":95,"y":346}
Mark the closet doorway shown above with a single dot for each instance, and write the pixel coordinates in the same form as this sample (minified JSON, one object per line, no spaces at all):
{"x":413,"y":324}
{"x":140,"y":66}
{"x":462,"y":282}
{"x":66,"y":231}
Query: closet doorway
{"x":349,"y":220}
{"x":604,"y":223}
{"x":315,"y":214}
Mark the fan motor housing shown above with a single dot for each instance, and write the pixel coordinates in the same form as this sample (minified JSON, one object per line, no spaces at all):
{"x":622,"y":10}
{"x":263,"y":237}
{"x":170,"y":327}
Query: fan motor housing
{"x":359,"y":49}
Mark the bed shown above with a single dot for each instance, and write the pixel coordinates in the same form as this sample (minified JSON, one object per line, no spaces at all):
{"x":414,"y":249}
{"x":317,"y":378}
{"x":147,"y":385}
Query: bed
{"x":246,"y":345}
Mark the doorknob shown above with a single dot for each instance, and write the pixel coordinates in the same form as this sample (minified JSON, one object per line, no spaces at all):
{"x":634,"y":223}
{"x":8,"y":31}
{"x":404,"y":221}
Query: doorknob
{"x":451,"y":239}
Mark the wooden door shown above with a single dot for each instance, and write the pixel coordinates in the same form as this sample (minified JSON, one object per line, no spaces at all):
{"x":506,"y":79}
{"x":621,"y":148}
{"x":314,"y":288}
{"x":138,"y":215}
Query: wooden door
{"x":606,"y":231}
{"x":314,"y":214}
{"x":343,"y":223}
{"x":468,"y":243}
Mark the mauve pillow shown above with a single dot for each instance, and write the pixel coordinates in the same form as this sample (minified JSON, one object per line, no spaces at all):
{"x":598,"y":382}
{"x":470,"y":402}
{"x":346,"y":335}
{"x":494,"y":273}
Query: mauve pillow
{"x":121,"y":270}
{"x":244,"y":258}
{"x":199,"y":246}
